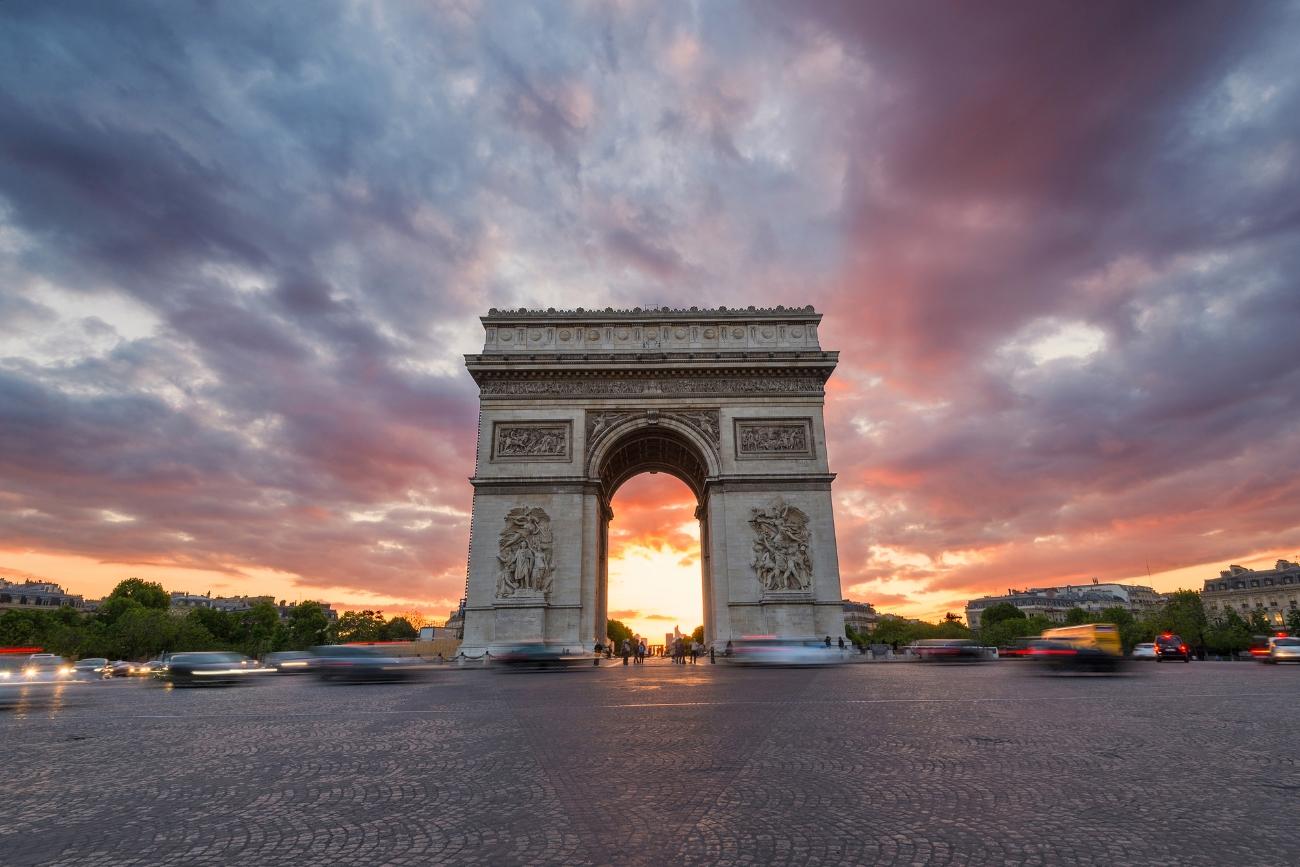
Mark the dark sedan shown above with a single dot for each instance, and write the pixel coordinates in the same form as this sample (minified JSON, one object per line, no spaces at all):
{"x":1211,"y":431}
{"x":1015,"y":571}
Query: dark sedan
{"x":344,"y":663}
{"x":290,"y":661}
{"x":210,"y":668}
{"x":537,"y":656}
{"x":1170,"y":646}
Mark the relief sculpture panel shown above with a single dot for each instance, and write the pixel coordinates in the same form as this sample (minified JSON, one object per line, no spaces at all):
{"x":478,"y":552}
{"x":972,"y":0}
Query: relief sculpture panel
{"x":782,"y":559}
{"x":525,"y":565}
{"x":773,"y":438}
{"x":530,"y":441}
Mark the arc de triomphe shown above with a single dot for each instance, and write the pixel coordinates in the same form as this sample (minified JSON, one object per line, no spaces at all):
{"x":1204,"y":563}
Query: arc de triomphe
{"x":574,"y":403}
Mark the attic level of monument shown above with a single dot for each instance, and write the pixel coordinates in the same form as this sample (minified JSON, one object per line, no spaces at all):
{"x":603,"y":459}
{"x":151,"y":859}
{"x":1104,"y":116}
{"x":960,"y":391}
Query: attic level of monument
{"x":650,"y":331}
{"x":648,"y":312}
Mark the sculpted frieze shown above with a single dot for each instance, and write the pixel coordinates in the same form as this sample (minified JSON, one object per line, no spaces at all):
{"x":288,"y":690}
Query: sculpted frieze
{"x":530,"y":441}
{"x":617,"y":387}
{"x":782,"y":557}
{"x":774,"y":438}
{"x":525,"y":567}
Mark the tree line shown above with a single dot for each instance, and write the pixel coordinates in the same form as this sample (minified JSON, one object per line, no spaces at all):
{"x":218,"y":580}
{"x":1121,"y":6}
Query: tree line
{"x":1183,"y":614}
{"x":135,"y":621}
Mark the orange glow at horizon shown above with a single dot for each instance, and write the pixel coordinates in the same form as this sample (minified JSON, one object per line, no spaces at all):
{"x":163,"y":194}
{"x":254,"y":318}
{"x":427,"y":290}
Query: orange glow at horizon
{"x":654,"y":560}
{"x":95,"y":579}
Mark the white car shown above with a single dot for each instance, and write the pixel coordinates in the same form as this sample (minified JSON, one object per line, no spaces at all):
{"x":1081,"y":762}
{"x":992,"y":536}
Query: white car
{"x":1283,"y":649}
{"x":783,"y":651}
{"x":1146,"y":650}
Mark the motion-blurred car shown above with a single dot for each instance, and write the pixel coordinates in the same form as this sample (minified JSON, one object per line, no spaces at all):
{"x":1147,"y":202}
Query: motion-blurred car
{"x":46,"y":667}
{"x":1017,"y":648}
{"x":1145,"y":650}
{"x":783,"y":652}
{"x":91,"y":668}
{"x":1093,"y":647}
{"x":120,"y":668}
{"x":948,"y":650}
{"x":290,"y":661}
{"x":537,"y":656}
{"x":1171,"y":646}
{"x":345,"y":663}
{"x":1282,"y":648}
{"x":210,"y":668}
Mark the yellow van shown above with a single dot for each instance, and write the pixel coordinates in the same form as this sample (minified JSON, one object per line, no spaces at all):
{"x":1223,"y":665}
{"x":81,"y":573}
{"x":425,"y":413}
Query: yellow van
{"x":1092,"y":645}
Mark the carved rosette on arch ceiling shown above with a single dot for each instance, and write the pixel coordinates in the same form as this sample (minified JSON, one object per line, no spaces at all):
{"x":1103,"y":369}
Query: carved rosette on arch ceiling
{"x":706,"y":422}
{"x":525,"y":564}
{"x":782,"y":554}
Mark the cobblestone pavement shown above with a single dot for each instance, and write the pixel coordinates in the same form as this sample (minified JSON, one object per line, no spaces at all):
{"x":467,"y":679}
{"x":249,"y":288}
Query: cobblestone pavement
{"x":662,"y":764}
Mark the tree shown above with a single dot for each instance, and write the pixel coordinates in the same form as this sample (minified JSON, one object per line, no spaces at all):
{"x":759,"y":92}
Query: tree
{"x":148,"y":593}
{"x":997,"y":613}
{"x":697,"y":635}
{"x":1293,"y":621}
{"x":1130,"y":632}
{"x":141,"y":633}
{"x":1259,"y":624}
{"x":617,"y":631}
{"x":1185,"y":615}
{"x":1004,"y":632}
{"x":1228,"y":634}
{"x":1076,"y":616}
{"x":360,"y":626}
{"x":400,"y":629}
{"x":306,"y":625}
{"x":257,"y":630}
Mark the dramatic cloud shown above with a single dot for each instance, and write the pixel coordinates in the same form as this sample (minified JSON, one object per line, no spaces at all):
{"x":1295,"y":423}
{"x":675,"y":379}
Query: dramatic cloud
{"x":242,"y":249}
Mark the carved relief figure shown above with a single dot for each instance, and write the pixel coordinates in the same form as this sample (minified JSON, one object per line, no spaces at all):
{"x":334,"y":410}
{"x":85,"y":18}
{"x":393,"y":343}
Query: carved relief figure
{"x":782,"y":558}
{"x":705,"y":421}
{"x":599,"y":422}
{"x":525,"y":566}
{"x":532,"y":441}
{"x":774,"y":438}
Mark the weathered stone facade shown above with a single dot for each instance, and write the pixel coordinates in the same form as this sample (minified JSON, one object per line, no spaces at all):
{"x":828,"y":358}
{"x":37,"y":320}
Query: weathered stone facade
{"x":1275,"y":592}
{"x":574,"y":403}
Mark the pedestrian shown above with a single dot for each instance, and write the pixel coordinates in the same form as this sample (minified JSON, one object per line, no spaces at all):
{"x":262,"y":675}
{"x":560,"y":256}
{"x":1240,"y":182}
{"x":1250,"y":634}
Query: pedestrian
{"x":713,"y":658}
{"x":598,"y":649}
{"x":828,"y":641}
{"x":695,"y":652}
{"x":841,"y":642}
{"x":727,"y":650}
{"x":625,"y":649}
{"x":640,"y":652}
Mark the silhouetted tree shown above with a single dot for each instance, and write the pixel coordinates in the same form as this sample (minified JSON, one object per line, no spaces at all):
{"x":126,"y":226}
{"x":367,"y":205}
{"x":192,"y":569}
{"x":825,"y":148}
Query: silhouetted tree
{"x":400,"y":629}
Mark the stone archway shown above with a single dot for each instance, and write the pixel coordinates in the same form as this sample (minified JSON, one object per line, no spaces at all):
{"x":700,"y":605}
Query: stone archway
{"x":637,"y":444}
{"x":574,"y":403}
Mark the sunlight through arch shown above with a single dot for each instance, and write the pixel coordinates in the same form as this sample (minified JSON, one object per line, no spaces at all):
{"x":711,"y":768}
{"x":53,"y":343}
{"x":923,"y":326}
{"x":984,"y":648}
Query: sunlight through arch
{"x":654,"y":557}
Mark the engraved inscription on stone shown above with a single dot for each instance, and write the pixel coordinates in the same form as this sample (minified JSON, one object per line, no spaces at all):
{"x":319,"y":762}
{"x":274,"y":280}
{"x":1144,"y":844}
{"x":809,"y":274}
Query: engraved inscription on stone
{"x":782,"y":559}
{"x":525,"y":565}
{"x":773,"y":438}
{"x":531,"y":441}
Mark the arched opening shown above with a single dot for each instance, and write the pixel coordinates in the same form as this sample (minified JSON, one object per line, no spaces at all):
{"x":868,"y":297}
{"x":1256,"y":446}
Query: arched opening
{"x":653,"y":562}
{"x":654,"y":558}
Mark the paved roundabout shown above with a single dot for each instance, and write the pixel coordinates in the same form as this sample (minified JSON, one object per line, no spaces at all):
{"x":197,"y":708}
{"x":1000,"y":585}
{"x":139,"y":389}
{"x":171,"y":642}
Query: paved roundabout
{"x":864,"y":764}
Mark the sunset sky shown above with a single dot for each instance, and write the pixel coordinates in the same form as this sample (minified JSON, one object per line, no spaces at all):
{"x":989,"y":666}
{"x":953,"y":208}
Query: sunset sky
{"x":244,"y":246}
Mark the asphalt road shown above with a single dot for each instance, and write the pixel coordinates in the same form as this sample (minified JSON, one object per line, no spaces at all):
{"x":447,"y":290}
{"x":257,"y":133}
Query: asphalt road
{"x":661,"y":764}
